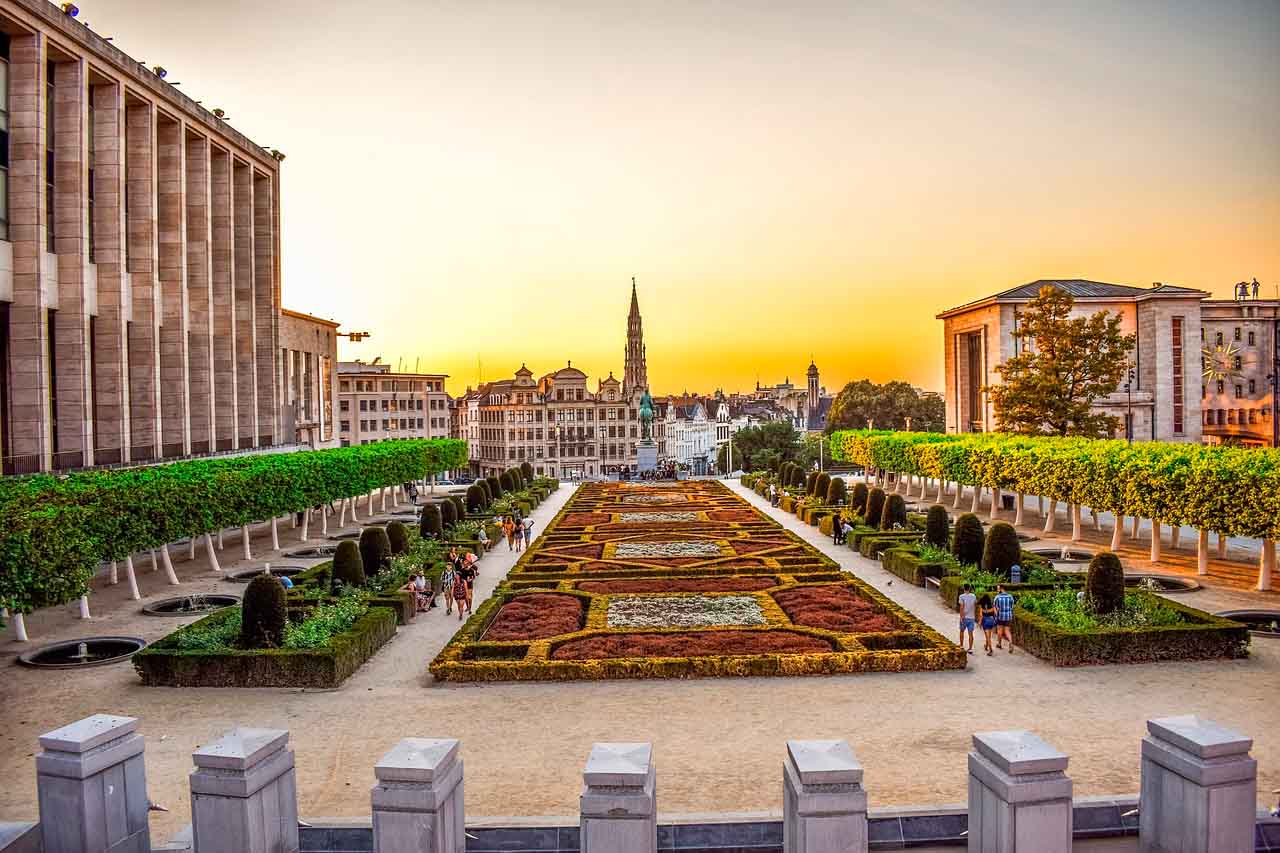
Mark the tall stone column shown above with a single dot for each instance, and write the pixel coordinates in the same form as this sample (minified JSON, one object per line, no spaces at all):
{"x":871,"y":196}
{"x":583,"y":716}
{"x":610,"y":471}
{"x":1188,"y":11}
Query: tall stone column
{"x":246,"y":334}
{"x":266,"y":311}
{"x":244,"y":794}
{"x":171,"y":267}
{"x":92,"y":786}
{"x":1019,"y":795}
{"x":1199,"y":788}
{"x":29,"y":407}
{"x":144,"y":331}
{"x":111,"y":361}
{"x":226,"y":386}
{"x":199,"y":294}
{"x":824,"y":805}
{"x":619,"y":804}
{"x":417,"y":802}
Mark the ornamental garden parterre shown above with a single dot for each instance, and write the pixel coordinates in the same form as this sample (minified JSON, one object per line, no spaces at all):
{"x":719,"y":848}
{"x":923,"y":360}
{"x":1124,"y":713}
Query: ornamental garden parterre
{"x":681,"y":580}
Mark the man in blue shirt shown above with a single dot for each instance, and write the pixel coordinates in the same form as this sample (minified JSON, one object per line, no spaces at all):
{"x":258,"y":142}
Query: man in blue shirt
{"x":1004,"y":617}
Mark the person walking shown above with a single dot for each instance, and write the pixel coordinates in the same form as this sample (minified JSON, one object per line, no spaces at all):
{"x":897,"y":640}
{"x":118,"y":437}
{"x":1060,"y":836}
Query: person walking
{"x":519,"y":538}
{"x":509,"y":528}
{"x":837,"y":527}
{"x":528,"y":532}
{"x":987,"y":612}
{"x":1004,"y":617}
{"x":968,"y":604}
{"x":468,"y":571}
{"x":459,"y":593}
{"x":447,"y":577}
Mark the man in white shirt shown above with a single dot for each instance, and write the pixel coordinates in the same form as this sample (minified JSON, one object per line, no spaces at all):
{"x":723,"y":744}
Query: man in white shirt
{"x":968,"y":603}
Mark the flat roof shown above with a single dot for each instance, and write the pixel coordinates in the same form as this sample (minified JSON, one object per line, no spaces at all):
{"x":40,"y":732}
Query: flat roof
{"x":1083,"y":290}
{"x":311,"y":318}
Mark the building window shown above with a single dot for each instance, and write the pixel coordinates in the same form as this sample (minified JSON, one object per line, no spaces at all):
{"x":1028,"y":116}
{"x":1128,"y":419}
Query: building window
{"x":4,"y":136}
{"x":344,"y":405}
{"x":1253,"y":386}
{"x":345,"y":426}
{"x":1253,"y":339}
{"x":48,"y":158}
{"x":1177,"y":376}
{"x":1236,"y":334}
{"x":1239,"y":390}
{"x":1238,"y":363}
{"x":1222,"y":386}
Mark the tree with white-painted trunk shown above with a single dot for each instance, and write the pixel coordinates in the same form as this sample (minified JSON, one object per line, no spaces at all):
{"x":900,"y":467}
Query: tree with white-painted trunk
{"x":995,"y":503}
{"x":342,"y":512}
{"x":275,"y":536}
{"x":213,"y":555}
{"x":244,"y":537}
{"x":1155,"y":540}
{"x":132,"y":577}
{"x":959,"y":495}
{"x":1175,"y":536}
{"x":191,"y":548}
{"x":1018,"y":508}
{"x":1222,"y":546}
{"x":1202,"y":552}
{"x":306,"y":525}
{"x":155,"y":567}
{"x":1051,"y":516}
{"x":169,"y":573}
{"x":84,"y":607}
{"x":20,"y":628}
{"x":1116,"y":533}
{"x":977,"y":498}
{"x":1136,"y":533}
{"x":221,"y":538}
{"x":1266,"y":564}
{"x":324,"y":520}
{"x":1076,"y":533}
{"x":115,"y":573}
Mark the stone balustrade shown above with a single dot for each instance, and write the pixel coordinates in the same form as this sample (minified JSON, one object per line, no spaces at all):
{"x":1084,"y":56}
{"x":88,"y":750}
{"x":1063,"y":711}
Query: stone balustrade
{"x":1199,"y":788}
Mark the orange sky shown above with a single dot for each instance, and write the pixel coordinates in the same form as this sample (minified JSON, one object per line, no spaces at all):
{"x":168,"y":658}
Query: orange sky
{"x":477,"y":181}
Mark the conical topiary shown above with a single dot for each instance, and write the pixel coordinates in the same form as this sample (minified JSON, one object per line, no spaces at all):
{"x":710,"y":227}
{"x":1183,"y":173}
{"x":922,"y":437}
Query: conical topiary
{"x":397,"y":538}
{"x":822,"y":485}
{"x":475,"y":499}
{"x":1001,"y":550}
{"x":495,"y":486}
{"x":1104,"y":586}
{"x":797,"y":477}
{"x":810,"y":482}
{"x":784,"y":474}
{"x":506,"y":482}
{"x":858,"y":500}
{"x":837,"y":492}
{"x":967,"y":543}
{"x":894,"y":514}
{"x":937,"y":527}
{"x":448,"y":514}
{"x":488,"y":493}
{"x":431,"y":526}
{"x":263,"y":614}
{"x":527,"y":470}
{"x":375,"y":550}
{"x":348,"y":568}
{"x":875,"y":506}
{"x":459,"y":506}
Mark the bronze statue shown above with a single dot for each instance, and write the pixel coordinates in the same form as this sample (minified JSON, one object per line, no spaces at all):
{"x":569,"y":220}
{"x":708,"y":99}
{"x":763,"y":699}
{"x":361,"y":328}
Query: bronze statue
{"x":646,"y":416}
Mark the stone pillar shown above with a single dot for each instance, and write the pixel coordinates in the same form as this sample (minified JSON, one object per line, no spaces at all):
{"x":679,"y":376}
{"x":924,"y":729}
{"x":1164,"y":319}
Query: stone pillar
{"x":417,"y":802}
{"x":1019,"y":795}
{"x":266,"y":310}
{"x":171,"y":267}
{"x":226,"y":385}
{"x":199,"y":295}
{"x":1199,"y":788}
{"x":619,"y":804}
{"x":824,"y":804}
{"x":242,"y":273}
{"x":144,"y":331}
{"x":92,"y":786}
{"x":244,"y":797}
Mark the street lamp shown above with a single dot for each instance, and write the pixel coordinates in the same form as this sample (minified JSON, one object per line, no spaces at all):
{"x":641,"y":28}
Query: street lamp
{"x":1128,"y":420}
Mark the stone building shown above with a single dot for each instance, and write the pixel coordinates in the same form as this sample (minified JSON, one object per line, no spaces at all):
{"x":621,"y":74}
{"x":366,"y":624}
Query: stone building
{"x":1241,"y":360}
{"x":806,"y":407}
{"x":139,"y":259}
{"x":375,"y":403}
{"x":1161,"y":403}
{"x":308,"y":378}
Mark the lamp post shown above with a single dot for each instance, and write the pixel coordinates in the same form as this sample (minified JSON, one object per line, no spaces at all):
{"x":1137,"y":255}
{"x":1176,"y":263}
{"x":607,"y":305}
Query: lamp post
{"x":1128,"y":421}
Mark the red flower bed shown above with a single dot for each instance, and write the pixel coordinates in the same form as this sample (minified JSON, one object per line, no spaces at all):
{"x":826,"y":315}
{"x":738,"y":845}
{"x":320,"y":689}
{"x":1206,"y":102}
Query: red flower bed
{"x":835,"y":607}
{"x":536,"y":616}
{"x":726,"y":584}
{"x":690,"y":644}
{"x":738,"y":515}
{"x":582,"y":519}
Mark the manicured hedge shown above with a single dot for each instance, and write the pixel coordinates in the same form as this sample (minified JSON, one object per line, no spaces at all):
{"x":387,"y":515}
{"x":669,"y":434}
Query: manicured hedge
{"x":906,"y":562}
{"x":55,"y":530}
{"x":872,"y":546}
{"x":163,"y":664}
{"x":1201,"y":636}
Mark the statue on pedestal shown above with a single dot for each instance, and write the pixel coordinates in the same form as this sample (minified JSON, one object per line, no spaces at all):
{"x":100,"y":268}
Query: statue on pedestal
{"x":646,"y":416}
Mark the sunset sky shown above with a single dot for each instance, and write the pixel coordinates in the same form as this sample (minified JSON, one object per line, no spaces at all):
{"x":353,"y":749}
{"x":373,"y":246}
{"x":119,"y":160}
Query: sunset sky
{"x":478,"y":181}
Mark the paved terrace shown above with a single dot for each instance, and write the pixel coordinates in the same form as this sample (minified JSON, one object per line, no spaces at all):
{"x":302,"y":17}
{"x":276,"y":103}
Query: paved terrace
{"x":718,"y":743}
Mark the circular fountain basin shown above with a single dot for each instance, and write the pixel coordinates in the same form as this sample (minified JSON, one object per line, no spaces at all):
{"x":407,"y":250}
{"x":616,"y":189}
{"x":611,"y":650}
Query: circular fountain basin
{"x":1161,"y":583}
{"x":338,"y":537}
{"x":89,"y":651}
{"x":1055,"y":555}
{"x":191,"y":605}
{"x":246,"y":575}
{"x":318,"y":552}
{"x":1262,"y":623}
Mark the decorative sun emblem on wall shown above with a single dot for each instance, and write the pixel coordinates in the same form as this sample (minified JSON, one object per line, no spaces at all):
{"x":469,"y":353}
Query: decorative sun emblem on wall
{"x":1220,"y":362}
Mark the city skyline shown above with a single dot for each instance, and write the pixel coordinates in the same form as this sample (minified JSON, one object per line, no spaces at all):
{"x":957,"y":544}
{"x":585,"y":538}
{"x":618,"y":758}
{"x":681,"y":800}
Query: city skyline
{"x":781,"y":183}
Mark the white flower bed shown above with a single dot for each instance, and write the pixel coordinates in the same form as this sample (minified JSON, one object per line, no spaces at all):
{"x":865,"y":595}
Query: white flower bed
{"x":650,"y":517}
{"x":667,"y":549}
{"x":685,"y":611}
{"x":652,"y":499}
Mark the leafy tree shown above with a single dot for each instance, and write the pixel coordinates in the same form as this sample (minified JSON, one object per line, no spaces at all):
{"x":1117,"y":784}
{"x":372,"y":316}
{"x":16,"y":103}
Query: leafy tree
{"x":766,"y":446}
{"x":739,"y":460}
{"x":1064,"y":365}
{"x":887,"y":406}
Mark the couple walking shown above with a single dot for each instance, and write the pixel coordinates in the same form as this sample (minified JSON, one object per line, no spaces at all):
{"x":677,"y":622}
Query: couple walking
{"x":996,"y":615}
{"x":518,"y":532}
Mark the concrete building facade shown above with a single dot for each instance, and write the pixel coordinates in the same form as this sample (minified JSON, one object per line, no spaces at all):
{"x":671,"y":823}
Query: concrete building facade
{"x":1240,"y":357}
{"x":308,"y":379}
{"x":375,"y":403}
{"x":139,"y":260}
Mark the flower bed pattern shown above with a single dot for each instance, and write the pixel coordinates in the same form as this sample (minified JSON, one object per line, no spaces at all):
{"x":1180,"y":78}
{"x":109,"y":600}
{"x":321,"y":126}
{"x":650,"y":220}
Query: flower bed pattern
{"x":700,"y":584}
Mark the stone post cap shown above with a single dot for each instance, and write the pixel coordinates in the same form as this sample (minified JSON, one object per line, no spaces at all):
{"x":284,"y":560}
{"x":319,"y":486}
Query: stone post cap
{"x":623,"y":765}
{"x":417,"y":759}
{"x":241,"y":749}
{"x":89,"y":733}
{"x":824,"y":762}
{"x":1018,"y":752}
{"x":1200,"y":737}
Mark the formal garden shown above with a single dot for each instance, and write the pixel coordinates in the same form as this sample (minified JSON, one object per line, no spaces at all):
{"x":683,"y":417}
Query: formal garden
{"x":681,"y":580}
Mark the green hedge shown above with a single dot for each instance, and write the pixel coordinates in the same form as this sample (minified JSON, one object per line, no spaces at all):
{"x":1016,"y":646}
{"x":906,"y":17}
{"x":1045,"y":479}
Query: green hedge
{"x":1231,"y":490}
{"x":906,"y":562}
{"x":55,"y":530}
{"x":872,"y":546}
{"x":1201,"y":636}
{"x":163,"y":664}
{"x":949,"y":587}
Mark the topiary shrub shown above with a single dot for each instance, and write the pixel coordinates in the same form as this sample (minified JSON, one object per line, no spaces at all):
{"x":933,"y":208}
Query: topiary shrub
{"x":431,"y":525}
{"x":263,"y":615}
{"x":488,"y":492}
{"x":527,"y":470}
{"x":874,"y":506}
{"x":459,"y":506}
{"x":822,"y":485}
{"x":375,"y":550}
{"x":1104,"y":586}
{"x":495,"y":487}
{"x":784,"y":474}
{"x":967,"y":543}
{"x":475,"y":498}
{"x":348,"y":568}
{"x":507,"y":482}
{"x":893,"y":516}
{"x":1001,"y":550}
{"x":797,"y":477}
{"x":398,"y":536}
{"x":448,"y":513}
{"x":937,"y":527}
{"x":810,"y":482}
{"x":858,"y":500}
{"x":837,"y":491}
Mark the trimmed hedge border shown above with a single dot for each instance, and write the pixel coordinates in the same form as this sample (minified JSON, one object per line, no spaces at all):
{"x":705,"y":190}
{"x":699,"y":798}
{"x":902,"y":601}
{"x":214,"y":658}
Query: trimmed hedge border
{"x":163,"y":665}
{"x":1202,"y":637}
{"x":872,"y":546}
{"x":907,"y":564}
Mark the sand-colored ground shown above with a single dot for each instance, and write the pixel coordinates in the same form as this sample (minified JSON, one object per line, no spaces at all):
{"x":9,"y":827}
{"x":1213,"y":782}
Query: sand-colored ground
{"x":719,"y":744}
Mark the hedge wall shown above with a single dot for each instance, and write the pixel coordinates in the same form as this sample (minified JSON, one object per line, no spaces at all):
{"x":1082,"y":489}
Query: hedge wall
{"x":55,"y":530}
{"x":1230,"y":490}
{"x":906,"y":562}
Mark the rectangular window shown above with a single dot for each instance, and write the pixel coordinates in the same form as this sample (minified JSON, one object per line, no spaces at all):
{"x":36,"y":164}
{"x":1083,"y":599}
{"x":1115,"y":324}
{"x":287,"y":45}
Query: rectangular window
{"x":1239,"y":390}
{"x":1177,"y":376}
{"x":1253,"y":339}
{"x":345,"y":426}
{"x":1253,"y":386}
{"x":48,"y":158}
{"x":4,"y":136}
{"x":1237,"y":333}
{"x":1217,"y":338}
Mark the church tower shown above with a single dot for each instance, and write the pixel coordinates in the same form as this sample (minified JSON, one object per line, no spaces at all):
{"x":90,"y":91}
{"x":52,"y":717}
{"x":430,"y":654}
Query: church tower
{"x":813,"y":388}
{"x":635,"y":375}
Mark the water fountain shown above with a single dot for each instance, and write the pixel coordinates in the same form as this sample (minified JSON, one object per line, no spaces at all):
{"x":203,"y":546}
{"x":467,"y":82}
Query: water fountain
{"x":1167,"y":584}
{"x":246,"y":575}
{"x":1261,"y":622}
{"x":316,"y":552}
{"x":89,"y":651}
{"x":196,"y":604}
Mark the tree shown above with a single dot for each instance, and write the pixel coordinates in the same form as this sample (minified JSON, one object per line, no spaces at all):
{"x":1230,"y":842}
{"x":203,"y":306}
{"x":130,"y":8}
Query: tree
{"x":722,"y":459}
{"x":886,"y":406}
{"x":766,"y":446}
{"x":1064,"y":365}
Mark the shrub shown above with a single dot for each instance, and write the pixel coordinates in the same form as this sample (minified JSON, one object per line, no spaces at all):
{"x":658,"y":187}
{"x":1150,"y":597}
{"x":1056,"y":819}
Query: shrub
{"x":348,"y":568}
{"x":810,"y":481}
{"x":487,"y":490}
{"x":837,"y":492}
{"x":431,"y":524}
{"x":459,"y":506}
{"x":475,"y":498}
{"x":893,"y":516}
{"x":967,"y":545}
{"x":263,"y":614}
{"x":874,"y":506}
{"x":375,"y":550}
{"x":784,"y":473}
{"x":495,"y":486}
{"x":1001,"y":549}
{"x":398,"y":536}
{"x":822,"y":485}
{"x":448,"y":513}
{"x":797,"y":477}
{"x":937,"y":527}
{"x":1104,"y":586}
{"x":526,"y":469}
{"x":858,"y":501}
